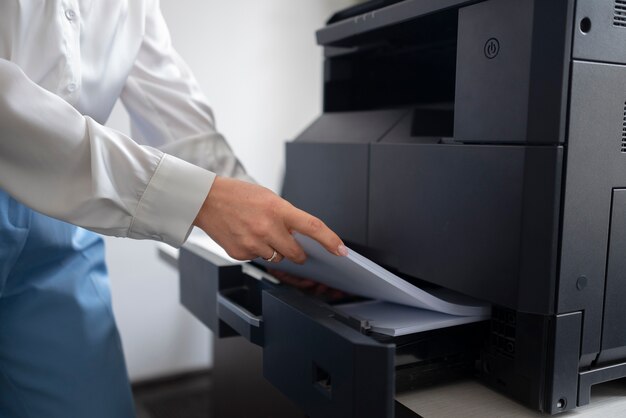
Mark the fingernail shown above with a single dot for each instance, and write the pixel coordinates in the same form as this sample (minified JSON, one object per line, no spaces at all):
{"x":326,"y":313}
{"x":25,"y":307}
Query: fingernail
{"x":342,"y":250}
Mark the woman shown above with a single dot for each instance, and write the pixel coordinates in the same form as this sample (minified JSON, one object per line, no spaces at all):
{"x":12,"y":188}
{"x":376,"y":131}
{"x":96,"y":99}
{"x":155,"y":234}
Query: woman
{"x":63,"y":65}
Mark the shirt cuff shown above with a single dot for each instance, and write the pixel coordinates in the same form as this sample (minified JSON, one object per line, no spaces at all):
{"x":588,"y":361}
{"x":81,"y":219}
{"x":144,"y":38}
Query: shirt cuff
{"x":171,"y":201}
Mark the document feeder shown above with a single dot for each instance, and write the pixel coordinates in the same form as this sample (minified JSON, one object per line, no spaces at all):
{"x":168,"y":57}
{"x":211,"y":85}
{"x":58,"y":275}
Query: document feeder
{"x":478,"y":146}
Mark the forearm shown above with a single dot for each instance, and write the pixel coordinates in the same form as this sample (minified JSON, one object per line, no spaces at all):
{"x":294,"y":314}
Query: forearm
{"x":65,"y":165}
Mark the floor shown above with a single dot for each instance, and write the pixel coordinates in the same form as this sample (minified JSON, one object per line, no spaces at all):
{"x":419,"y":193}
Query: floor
{"x":183,"y":396}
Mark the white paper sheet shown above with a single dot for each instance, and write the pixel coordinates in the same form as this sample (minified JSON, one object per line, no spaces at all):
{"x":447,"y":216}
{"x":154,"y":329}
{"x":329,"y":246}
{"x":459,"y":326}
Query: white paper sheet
{"x":396,"y":320}
{"x":357,"y":275}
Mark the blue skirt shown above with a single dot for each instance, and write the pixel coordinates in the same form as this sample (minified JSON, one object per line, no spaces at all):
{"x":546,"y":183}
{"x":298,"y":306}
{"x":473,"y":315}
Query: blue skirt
{"x":60,"y":351}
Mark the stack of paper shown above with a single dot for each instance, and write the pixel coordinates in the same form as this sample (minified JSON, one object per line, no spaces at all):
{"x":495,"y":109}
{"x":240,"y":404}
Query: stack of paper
{"x":357,"y":275}
{"x":395,"y":320}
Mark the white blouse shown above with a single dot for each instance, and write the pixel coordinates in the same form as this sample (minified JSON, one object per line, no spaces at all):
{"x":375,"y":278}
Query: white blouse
{"x":63,"y":65}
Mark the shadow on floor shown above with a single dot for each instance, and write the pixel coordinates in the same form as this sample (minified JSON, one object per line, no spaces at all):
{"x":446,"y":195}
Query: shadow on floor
{"x":181,"y":396}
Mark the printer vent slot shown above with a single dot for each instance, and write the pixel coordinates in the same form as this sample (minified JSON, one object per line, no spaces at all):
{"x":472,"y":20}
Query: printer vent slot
{"x":503,"y":323}
{"x":619,"y":15}
{"x":623,"y":147}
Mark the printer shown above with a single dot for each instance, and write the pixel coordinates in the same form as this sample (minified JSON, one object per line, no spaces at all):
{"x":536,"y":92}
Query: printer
{"x":473,"y":145}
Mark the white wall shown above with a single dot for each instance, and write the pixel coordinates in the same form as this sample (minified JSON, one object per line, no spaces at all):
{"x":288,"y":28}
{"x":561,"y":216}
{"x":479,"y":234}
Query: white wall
{"x":258,"y":63}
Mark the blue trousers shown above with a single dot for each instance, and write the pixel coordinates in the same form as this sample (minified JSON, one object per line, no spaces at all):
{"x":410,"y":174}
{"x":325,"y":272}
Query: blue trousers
{"x":60,"y":351}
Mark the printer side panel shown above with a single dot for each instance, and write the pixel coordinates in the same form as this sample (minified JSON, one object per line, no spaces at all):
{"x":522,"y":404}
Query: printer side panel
{"x":591,"y":262}
{"x":596,"y":167}
{"x":600,"y":33}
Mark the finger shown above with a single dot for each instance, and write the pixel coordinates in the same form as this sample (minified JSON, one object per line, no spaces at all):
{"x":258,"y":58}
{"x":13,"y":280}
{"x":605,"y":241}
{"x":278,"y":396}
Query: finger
{"x":300,"y":284}
{"x":307,"y":283}
{"x":284,"y":276}
{"x":286,"y":245}
{"x":280,"y":275}
{"x":279,"y":257}
{"x":300,"y":221}
{"x":268,"y":253}
{"x":288,"y":279}
{"x":337,"y":294}
{"x":321,"y":289}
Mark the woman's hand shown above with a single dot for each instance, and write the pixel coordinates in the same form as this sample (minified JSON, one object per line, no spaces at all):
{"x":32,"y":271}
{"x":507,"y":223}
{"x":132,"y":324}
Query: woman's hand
{"x":250,"y":221}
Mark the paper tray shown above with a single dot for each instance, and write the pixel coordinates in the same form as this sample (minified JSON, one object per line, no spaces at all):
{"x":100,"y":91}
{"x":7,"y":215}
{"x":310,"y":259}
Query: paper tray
{"x":397,"y":320}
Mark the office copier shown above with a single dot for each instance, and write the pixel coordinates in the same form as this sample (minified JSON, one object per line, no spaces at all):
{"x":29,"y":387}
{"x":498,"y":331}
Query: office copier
{"x":478,"y":146}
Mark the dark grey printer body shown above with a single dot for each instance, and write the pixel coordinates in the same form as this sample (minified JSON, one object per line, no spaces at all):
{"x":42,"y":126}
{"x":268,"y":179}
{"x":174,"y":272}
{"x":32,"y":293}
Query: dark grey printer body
{"x":479,"y":146}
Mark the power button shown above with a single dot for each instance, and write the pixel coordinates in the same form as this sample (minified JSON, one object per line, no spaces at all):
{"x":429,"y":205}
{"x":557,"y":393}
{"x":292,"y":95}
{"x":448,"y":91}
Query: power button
{"x":492,"y":48}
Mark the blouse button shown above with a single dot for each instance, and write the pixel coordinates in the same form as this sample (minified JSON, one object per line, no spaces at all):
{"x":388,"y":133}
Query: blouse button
{"x":70,"y":14}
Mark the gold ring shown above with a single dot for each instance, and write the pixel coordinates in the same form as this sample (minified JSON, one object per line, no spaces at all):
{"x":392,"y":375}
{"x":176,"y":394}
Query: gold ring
{"x":269,"y":260}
